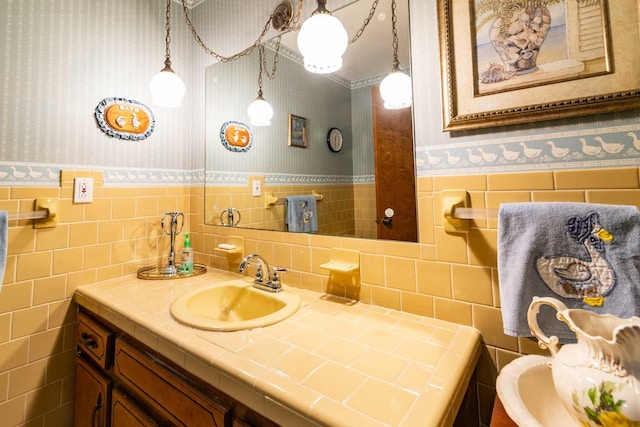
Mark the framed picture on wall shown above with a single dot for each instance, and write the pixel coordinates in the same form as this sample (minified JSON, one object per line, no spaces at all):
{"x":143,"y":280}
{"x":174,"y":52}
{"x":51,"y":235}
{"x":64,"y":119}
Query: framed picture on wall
{"x":496,"y":70}
{"x":297,"y":131}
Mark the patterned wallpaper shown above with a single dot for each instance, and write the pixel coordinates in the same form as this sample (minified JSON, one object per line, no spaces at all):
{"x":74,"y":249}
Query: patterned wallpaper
{"x":60,"y":58}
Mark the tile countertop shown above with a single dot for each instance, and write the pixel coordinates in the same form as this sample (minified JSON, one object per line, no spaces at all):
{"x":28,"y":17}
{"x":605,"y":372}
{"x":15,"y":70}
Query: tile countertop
{"x":334,"y":362}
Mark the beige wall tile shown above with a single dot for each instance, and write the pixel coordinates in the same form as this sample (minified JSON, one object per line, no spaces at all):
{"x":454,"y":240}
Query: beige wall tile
{"x":372,"y":269}
{"x":12,"y":411}
{"x":558,"y":196}
{"x":60,"y":366}
{"x":52,"y":238}
{"x":67,"y":260}
{"x":69,"y":212}
{"x":34,"y":265}
{"x":416,"y":304}
{"x":15,"y":297}
{"x":463,"y":182}
{"x":5,"y":330}
{"x":489,"y":321}
{"x":520,"y":181}
{"x":124,"y":207}
{"x":29,"y":321}
{"x":400,"y":273}
{"x":97,"y":256}
{"x":483,"y":247}
{"x":27,"y":378}
{"x":34,"y":192}
{"x":13,"y":354}
{"x":20,"y":240}
{"x":44,"y":344}
{"x":384,"y":297}
{"x":597,"y":178}
{"x":453,"y":311}
{"x":99,"y":209}
{"x":43,"y":400}
{"x":110,"y":231}
{"x":82,"y":234}
{"x":472,"y":284}
{"x":434,"y":278}
{"x":614,"y":197}
{"x":451,"y":247}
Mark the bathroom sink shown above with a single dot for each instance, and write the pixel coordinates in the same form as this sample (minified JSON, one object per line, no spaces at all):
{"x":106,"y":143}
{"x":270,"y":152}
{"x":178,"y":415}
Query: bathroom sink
{"x":526,"y":390}
{"x":232,"y":306}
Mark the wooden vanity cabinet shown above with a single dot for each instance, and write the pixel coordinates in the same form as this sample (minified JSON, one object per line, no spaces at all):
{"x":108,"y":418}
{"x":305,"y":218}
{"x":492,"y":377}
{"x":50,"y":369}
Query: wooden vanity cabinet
{"x":93,"y":396}
{"x":122,"y":383}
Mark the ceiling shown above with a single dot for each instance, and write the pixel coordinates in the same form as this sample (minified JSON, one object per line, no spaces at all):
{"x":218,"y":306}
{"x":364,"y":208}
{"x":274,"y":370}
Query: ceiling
{"x":372,"y":54}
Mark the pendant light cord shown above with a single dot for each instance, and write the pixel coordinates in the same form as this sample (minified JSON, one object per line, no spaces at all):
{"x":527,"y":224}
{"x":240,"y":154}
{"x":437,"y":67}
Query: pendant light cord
{"x":167,"y":39}
{"x":262,"y":65}
{"x":246,"y":51}
{"x":372,"y":10}
{"x":394,"y":19}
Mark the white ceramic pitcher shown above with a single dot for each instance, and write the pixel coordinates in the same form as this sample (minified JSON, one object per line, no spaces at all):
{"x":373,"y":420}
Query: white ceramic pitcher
{"x":597,"y":378}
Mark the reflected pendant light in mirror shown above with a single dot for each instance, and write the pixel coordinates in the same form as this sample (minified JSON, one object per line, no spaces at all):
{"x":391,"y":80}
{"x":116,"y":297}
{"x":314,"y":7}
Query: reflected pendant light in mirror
{"x":166,"y":87}
{"x":322,"y":41}
{"x":395,"y":88}
{"x":260,"y":111}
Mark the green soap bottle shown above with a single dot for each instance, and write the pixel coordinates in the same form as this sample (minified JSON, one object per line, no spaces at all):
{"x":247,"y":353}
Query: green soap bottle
{"x":186,"y":256}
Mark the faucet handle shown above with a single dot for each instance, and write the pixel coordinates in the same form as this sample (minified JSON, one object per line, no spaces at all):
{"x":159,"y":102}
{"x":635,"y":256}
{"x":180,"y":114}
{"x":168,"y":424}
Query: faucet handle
{"x":276,"y":270}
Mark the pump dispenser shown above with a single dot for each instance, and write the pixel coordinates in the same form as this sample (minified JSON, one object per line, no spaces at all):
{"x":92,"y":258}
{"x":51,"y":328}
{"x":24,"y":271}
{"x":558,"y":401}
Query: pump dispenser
{"x":186,"y":256}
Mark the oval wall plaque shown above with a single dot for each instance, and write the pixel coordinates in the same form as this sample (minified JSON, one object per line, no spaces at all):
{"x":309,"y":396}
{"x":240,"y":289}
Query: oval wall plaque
{"x":235,"y":136}
{"x":125,"y":118}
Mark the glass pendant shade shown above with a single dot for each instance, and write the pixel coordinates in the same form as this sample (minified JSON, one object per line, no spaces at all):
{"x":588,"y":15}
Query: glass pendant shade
{"x":260,"y":112}
{"x":167,"y":89}
{"x":395,"y":90}
{"x":322,"y":41}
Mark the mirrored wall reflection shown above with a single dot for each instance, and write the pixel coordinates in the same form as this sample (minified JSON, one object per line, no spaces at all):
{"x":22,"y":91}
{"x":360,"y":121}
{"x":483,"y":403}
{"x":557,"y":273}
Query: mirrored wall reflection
{"x":246,"y":177}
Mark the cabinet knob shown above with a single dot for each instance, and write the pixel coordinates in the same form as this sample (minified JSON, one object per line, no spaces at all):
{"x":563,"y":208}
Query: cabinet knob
{"x":87,"y":341}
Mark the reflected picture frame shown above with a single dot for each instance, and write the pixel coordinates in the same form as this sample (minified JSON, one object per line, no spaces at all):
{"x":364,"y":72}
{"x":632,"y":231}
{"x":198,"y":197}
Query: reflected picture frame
{"x":465,"y":106}
{"x":297,"y":131}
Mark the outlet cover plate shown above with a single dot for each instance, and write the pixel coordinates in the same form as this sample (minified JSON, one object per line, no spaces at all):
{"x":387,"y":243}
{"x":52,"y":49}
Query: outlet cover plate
{"x":83,"y":190}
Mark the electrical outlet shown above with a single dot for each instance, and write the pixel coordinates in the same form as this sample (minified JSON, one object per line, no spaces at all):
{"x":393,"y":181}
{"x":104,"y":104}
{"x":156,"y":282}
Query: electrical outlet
{"x":256,"y":187}
{"x":83,"y":190}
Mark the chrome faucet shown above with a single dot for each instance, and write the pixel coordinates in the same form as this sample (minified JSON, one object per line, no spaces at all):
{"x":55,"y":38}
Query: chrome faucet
{"x":266,"y":279}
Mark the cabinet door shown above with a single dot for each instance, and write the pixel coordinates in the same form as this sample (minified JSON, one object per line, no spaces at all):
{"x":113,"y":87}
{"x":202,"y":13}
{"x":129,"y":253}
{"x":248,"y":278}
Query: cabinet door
{"x":166,"y":392}
{"x":93,"y":396}
{"x":125,"y":413}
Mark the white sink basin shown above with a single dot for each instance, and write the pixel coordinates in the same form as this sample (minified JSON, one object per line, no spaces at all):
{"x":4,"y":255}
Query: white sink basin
{"x":232,"y":306}
{"x":525,"y":387}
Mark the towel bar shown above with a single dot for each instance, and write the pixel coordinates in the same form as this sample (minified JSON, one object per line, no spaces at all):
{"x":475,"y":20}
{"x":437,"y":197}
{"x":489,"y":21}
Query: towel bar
{"x":44,"y":214}
{"x":475,"y":213}
{"x":39,"y":214}
{"x":271,"y":200}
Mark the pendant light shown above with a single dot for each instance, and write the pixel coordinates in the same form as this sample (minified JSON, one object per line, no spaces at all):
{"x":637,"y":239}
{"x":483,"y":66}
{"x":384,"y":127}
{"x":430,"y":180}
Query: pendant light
{"x":322,"y":41}
{"x":166,"y":87}
{"x":395,"y":88}
{"x":259,"y":111}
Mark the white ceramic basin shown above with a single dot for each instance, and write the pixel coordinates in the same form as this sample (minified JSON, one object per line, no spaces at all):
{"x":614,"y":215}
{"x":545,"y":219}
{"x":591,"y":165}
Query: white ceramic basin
{"x":525,"y":387}
{"x":232,"y":306}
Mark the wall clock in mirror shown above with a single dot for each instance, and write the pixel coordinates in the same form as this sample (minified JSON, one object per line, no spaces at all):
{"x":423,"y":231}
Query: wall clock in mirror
{"x":334,"y":139}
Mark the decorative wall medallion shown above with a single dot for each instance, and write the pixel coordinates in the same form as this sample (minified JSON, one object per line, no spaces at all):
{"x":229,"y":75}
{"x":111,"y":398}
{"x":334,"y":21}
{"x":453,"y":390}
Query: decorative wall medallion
{"x":125,"y":118}
{"x":235,"y":136}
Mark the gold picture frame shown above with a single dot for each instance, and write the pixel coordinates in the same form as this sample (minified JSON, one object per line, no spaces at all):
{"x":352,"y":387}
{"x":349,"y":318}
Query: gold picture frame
{"x":297,"y":131}
{"x":614,"y":86}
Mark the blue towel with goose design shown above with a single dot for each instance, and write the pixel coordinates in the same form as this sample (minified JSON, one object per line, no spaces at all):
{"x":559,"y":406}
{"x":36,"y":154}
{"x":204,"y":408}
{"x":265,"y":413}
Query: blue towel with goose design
{"x":586,"y":255}
{"x":301,"y":215}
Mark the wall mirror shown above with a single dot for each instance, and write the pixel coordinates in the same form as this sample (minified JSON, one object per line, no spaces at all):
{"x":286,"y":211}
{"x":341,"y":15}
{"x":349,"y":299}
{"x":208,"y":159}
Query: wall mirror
{"x":250,"y":170}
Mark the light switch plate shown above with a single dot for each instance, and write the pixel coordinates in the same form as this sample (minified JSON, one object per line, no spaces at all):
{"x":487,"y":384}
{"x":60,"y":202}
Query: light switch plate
{"x":83,"y":190}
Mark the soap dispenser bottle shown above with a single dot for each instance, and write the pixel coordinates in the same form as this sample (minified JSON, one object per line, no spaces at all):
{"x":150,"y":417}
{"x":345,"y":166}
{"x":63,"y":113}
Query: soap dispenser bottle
{"x":186,"y":256}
